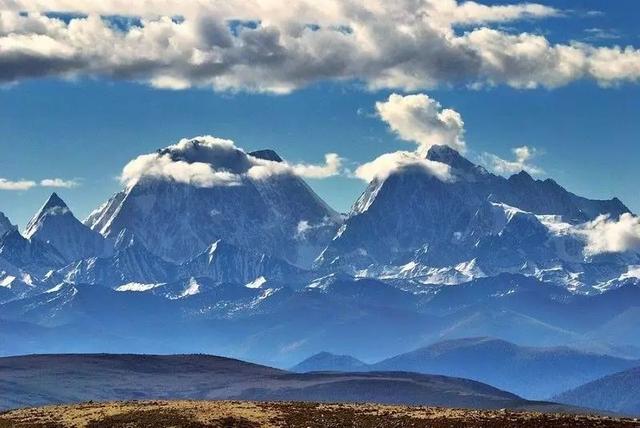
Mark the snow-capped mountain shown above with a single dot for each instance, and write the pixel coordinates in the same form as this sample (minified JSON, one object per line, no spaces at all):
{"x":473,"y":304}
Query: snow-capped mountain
{"x":56,"y":225}
{"x":220,"y":245}
{"x":130,"y":262}
{"x":223,"y":262}
{"x":476,"y":224}
{"x":275,"y":214}
{"x":31,"y":255}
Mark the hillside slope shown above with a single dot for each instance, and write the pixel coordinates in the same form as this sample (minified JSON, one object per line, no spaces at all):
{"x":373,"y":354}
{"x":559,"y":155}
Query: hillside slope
{"x":36,"y":380}
{"x":619,"y":392}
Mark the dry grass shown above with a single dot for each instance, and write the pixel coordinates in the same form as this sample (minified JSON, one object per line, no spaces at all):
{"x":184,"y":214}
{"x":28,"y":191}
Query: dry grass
{"x":243,"y":414}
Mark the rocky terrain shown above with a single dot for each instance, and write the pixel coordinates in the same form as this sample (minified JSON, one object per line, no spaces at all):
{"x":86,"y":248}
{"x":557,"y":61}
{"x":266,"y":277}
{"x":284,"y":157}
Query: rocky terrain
{"x":242,"y":414}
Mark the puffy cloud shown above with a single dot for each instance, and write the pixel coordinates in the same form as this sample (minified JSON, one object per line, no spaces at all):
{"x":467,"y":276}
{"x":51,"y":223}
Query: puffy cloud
{"x":523,"y":156}
{"x":606,"y":235}
{"x":59,"y":182}
{"x":470,"y":12}
{"x":208,"y":161}
{"x":264,"y":169}
{"x":331,"y":167}
{"x":277,"y":47}
{"x":422,"y":120}
{"x":16,"y":185}
{"x":449,"y":11}
{"x":387,"y":164}
{"x":190,"y":161}
{"x":162,"y":166}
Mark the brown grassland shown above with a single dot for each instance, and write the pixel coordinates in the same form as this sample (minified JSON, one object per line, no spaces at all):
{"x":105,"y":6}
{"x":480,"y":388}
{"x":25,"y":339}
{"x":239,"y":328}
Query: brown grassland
{"x":243,"y":414}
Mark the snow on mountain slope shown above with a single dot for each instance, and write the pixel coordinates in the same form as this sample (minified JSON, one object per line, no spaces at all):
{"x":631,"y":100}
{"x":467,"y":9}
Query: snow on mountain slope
{"x":414,"y":225}
{"x":250,"y":200}
{"x":55,"y":224}
{"x":131,"y":262}
{"x":223,"y":262}
{"x":31,"y":255}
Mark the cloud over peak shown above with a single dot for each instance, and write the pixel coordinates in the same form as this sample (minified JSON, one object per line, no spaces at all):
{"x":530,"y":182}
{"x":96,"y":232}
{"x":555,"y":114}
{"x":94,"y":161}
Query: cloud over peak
{"x":422,"y":120}
{"x":522,"y":162}
{"x":208,"y":161}
{"x":387,"y":164}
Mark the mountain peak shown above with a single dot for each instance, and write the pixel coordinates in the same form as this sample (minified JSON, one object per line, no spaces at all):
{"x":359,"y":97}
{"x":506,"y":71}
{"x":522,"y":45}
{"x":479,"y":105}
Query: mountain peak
{"x":522,"y":177}
{"x":327,"y":361}
{"x":53,"y":206}
{"x":453,"y":158}
{"x":444,"y":154}
{"x":55,"y":224}
{"x":54,"y":201}
{"x":266,"y":154}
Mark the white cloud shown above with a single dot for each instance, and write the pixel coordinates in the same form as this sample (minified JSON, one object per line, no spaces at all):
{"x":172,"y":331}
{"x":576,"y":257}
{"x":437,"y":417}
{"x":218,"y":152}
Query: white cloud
{"x":470,"y":12}
{"x":59,"y":182}
{"x":202,"y":161}
{"x":162,"y":166}
{"x":208,"y":161}
{"x":263,"y":169}
{"x":523,"y":156}
{"x":422,"y":120}
{"x":409,"y":45}
{"x":598,"y":34}
{"x":331,"y":167}
{"x":389,"y":163}
{"x":16,"y":185}
{"x":606,"y":235}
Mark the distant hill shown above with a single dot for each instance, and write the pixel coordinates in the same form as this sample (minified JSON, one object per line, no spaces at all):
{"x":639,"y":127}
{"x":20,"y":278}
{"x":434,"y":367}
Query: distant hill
{"x":50,"y":379}
{"x":326,"y":362}
{"x":619,"y":392}
{"x":531,"y":372}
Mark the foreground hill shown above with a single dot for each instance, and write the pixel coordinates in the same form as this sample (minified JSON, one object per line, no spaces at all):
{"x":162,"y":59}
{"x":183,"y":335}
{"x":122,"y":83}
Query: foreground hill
{"x":51,"y":379}
{"x":619,"y":392}
{"x":199,"y":414}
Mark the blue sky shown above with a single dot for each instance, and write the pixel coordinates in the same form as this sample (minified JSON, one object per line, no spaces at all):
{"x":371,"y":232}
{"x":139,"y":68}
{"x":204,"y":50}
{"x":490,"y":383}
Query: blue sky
{"x":87,"y":128}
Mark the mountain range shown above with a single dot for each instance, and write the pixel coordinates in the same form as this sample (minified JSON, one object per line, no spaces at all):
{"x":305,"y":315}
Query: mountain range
{"x":531,"y":372}
{"x":263,"y":269}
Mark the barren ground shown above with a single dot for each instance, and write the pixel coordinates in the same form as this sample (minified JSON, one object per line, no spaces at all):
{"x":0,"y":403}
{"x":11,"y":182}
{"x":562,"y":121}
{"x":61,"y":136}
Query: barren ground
{"x":243,"y":414}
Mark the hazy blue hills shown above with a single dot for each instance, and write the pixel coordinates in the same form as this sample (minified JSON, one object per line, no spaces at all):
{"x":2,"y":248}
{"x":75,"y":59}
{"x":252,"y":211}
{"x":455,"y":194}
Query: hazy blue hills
{"x":618,"y":392}
{"x":532,"y":372}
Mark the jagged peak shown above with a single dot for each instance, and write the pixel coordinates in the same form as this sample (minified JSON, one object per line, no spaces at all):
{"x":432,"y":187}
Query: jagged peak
{"x":53,"y":206}
{"x":448,"y":155}
{"x":266,"y":154}
{"x":54,"y":201}
{"x":522,"y":176}
{"x":461,"y":166}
